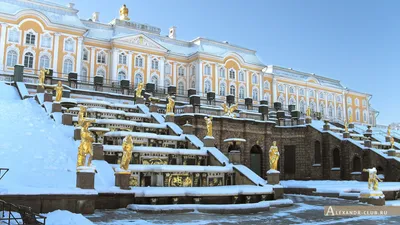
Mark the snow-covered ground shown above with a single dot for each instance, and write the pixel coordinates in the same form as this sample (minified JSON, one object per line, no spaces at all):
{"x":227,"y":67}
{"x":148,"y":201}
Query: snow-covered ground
{"x":40,"y":153}
{"x":62,"y":217}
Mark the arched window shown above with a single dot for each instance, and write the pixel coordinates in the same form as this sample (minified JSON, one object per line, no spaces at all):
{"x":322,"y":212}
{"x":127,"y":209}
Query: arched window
{"x":339,"y":112}
{"x":44,"y":62}
{"x":281,"y":100}
{"x":232,"y":74}
{"x":28,"y":60}
{"x":69,"y":45}
{"x":336,"y":158}
{"x":321,"y":95}
{"x":292,"y":101}
{"x":301,"y":91}
{"x":30,"y":38}
{"x":302,"y":106}
{"x":193,"y":70}
{"x":330,"y":97}
{"x":311,"y":93}
{"x":322,"y":108}
{"x":222,"y":72}
{"x":12,"y":58}
{"x":241,"y":92}
{"x":13,"y":35}
{"x":330,"y":111}
{"x":101,"y":73}
{"x":357,"y":114}
{"x":154,"y":64}
{"x":255,"y":94}
{"x":67,"y":66}
{"x":364,"y":116}
{"x":139,"y":61}
{"x":267,"y":97}
{"x":181,"y":71}
{"x":181,"y":88}
{"x":45,"y":41}
{"x":121,"y":75}
{"x":317,"y":152}
{"x":193,"y":84}
{"x":222,"y":88}
{"x":167,"y":83}
{"x":122,"y":59}
{"x":85,"y":55}
{"x":313,"y":106}
{"x":241,"y":76}
{"x":207,"y":86}
{"x":254,"y":78}
{"x":291,"y":90}
{"x":349,"y":101}
{"x":280,"y":88}
{"x":339,"y":99}
{"x":232,"y":90}
{"x":154,"y":80}
{"x":266,"y":85}
{"x":138,"y":78}
{"x":167,"y":69}
{"x":356,"y":164}
{"x":101,"y":57}
{"x":84,"y":75}
{"x":207,"y":70}
{"x":364,"y":103}
{"x":349,"y":113}
{"x":357,"y":102}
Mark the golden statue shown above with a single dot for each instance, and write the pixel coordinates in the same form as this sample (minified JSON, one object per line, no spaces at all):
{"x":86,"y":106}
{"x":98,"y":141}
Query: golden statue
{"x":127,"y":147}
{"x":139,"y":90}
{"x":372,"y":179}
{"x":81,"y":115}
{"x":209,"y":125}
{"x":346,"y":127}
{"x":187,"y":182}
{"x":388,"y":131}
{"x":273,"y":156}
{"x":392,"y":142}
{"x":170,"y":105}
{"x":86,"y":147}
{"x":59,"y":91}
{"x":228,"y":111}
{"x":308,"y":111}
{"x":42,"y":76}
{"x":123,"y":13}
{"x":350,"y":118}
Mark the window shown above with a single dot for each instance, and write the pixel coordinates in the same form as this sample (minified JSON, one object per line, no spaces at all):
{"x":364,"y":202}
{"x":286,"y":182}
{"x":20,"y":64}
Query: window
{"x":101,"y":57}
{"x":222,"y":72}
{"x":13,"y":35}
{"x":254,"y":79}
{"x":181,"y":71}
{"x":28,"y":60}
{"x":365,"y":116}
{"x":291,"y":90}
{"x":302,"y":106}
{"x":122,"y":59}
{"x":311,"y":93}
{"x":280,"y":88}
{"x":121,"y":75}
{"x":339,"y":112}
{"x":241,"y":76}
{"x":349,"y":113}
{"x":313,"y":107}
{"x":330,"y":111}
{"x":68,"y":66}
{"x":336,"y":158}
{"x":138,"y":78}
{"x":85,"y":54}
{"x":317,"y":152}
{"x":364,"y":103}
{"x":255,"y":94}
{"x":193,"y":70}
{"x":267,"y":97}
{"x":357,"y":164}
{"x":207,"y":86}
{"x":232,"y":90}
{"x":44,"y":62}
{"x":349,"y":101}
{"x":321,"y":95}
{"x":322,"y":108}
{"x":30,"y":38}
{"x":46,"y":41}
{"x":167,"y":69}
{"x":167,"y":83}
{"x":292,"y":101}
{"x":301,"y":91}
{"x":101,"y":73}
{"x":339,"y":98}
{"x":222,"y":88}
{"x":357,"y":114}
{"x":84,"y":75}
{"x":266,"y":85}
{"x":357,"y":102}
{"x":181,"y":88}
{"x":193,"y":84}
{"x":281,"y":100}
{"x":330,"y":97}
{"x":154,"y":64}
{"x":207,"y":70}
{"x":69,"y":45}
{"x":232,"y":74}
{"x":12,"y":58}
{"x":139,"y":61}
{"x":154,"y":80}
{"x":241,"y":92}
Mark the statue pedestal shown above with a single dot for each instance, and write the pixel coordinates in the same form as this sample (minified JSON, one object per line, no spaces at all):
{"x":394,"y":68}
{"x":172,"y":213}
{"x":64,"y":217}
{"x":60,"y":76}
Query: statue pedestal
{"x":367,"y":143}
{"x":122,"y":179}
{"x":372,"y":197}
{"x":387,"y":138}
{"x":153,"y":108}
{"x":273,"y":177}
{"x":67,"y":119}
{"x":234,"y":157}
{"x":346,"y":135}
{"x":209,"y":141}
{"x":77,"y":133}
{"x":391,"y":152}
{"x":98,"y":151}
{"x":351,"y":125}
{"x":85,"y":177}
{"x":56,"y":107}
{"x":48,"y":97}
{"x":170,"y":118}
{"x":326,"y":127}
{"x":308,"y":120}
{"x":139,"y":100}
{"x":40,"y":89}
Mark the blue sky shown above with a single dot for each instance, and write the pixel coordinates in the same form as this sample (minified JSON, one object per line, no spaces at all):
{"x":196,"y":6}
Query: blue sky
{"x":355,"y":41}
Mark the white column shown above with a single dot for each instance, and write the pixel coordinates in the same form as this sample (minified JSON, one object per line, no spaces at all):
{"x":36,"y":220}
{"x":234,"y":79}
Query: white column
{"x":216,"y":79}
{"x":2,"y":43}
{"x":162,"y":75}
{"x":199,"y":78}
{"x":114,"y":64}
{"x":260,"y":95}
{"x":344,"y":103}
{"x":130,"y":66}
{"x":274,"y":91}
{"x":55,"y":60}
{"x":334,"y":105}
{"x":79,"y":56}
{"x":174,"y":82}
{"x":187,"y":75}
{"x":92,"y":62}
{"x":317,"y":97}
{"x":248,"y":82}
{"x":286,"y":95}
{"x":326,"y":103}
{"x":297,"y":98}
{"x":307,"y":99}
{"x":148,"y":69}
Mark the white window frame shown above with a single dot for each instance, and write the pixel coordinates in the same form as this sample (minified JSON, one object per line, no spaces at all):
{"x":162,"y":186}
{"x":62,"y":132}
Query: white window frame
{"x":242,"y":92}
{"x":230,"y":89}
{"x":234,"y":74}
{"x":154,"y":64}
{"x":33,"y":60}
{"x":139,"y":61}
{"x":267,"y":85}
{"x":122,"y":58}
{"x":254,"y":78}
{"x":40,"y":61}
{"x":66,"y":44}
{"x":87,"y":54}
{"x":30,"y":32}
{"x":241,"y":75}
{"x":16,"y":58}
{"x":181,"y":71}
{"x":65,"y":71}
{"x":102,"y":56}
{"x":43,"y":37}
{"x":18,"y":35}
{"x":254,"y":94}
{"x":207,"y":69}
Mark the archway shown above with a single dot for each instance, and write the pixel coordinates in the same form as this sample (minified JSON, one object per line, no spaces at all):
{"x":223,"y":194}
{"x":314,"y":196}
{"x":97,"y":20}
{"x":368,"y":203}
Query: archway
{"x":256,"y":159}
{"x":317,"y":152}
{"x":336,"y":158}
{"x":357,"y":164}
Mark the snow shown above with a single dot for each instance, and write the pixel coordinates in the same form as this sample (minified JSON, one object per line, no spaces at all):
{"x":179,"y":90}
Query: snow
{"x":130,"y":123}
{"x":105,"y":174}
{"x":257,"y":180}
{"x":177,"y":168}
{"x":235,"y":139}
{"x":271,"y":171}
{"x":143,"y":108}
{"x":48,"y":106}
{"x":158,"y":117}
{"x":144,"y":149}
{"x":8,"y":92}
{"x":22,"y":90}
{"x":62,"y":217}
{"x":194,"y":140}
{"x":217,"y":154}
{"x":175,"y":128}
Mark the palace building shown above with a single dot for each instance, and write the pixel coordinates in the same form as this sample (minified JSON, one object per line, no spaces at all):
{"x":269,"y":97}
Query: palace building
{"x":41,"y":34}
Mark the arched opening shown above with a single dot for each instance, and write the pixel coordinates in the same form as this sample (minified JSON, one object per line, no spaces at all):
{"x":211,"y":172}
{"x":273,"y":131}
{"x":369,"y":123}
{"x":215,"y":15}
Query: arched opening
{"x":380,"y":172}
{"x":289,"y":161}
{"x":336,"y":158}
{"x":357,"y":164}
{"x":256,"y":159}
{"x":317,"y":152}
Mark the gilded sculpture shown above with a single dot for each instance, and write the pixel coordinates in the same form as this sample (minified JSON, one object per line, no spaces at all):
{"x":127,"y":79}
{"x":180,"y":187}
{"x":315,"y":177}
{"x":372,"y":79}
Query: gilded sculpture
{"x":308,"y":112}
{"x":170,"y":105}
{"x":81,"y":115}
{"x":123,"y":13}
{"x":388,"y":131}
{"x":372,"y":179}
{"x":139,"y":90}
{"x":59,"y":91}
{"x":392,"y":142}
{"x":228,"y":111}
{"x":273,"y":156}
{"x":346,"y":127}
{"x":86,"y":146}
{"x":350,"y":118}
{"x":127,"y":147}
{"x":42,"y":76}
{"x":209,"y":125}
